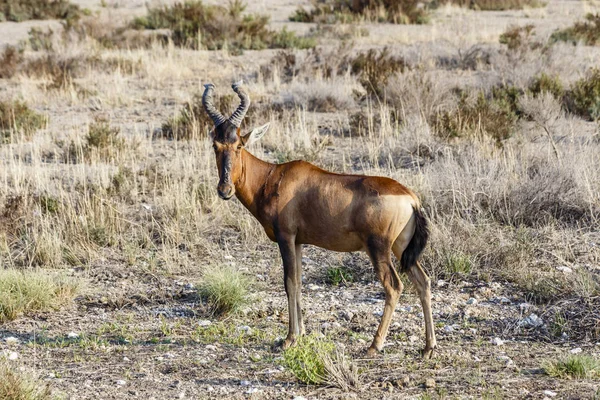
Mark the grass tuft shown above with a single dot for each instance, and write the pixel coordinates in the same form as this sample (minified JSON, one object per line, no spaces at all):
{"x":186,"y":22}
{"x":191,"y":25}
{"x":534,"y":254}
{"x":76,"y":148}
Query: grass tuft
{"x":26,"y":291}
{"x":225,"y":290}
{"x":574,"y":367}
{"x":22,"y":10}
{"x":584,"y":96}
{"x":338,"y":275}
{"x":306,"y":359}
{"x":495,"y":5}
{"x":15,"y":386}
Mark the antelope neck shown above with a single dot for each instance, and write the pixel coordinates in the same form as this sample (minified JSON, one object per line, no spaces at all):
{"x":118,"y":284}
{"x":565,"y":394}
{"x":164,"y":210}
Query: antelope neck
{"x":252,"y":180}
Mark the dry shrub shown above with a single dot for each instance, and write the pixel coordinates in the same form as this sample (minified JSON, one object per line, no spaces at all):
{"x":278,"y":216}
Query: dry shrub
{"x":518,"y":37}
{"x":194,"y":24}
{"x":395,"y":11}
{"x":494,"y":5}
{"x":22,"y":10}
{"x":478,"y":116}
{"x":545,"y":83}
{"x":9,"y":61}
{"x":587,"y":32}
{"x":375,"y":68}
{"x":17,"y":117}
{"x":583,"y":98}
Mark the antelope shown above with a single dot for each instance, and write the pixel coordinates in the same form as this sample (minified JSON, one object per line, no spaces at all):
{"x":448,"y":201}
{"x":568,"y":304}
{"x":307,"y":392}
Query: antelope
{"x":298,"y":203}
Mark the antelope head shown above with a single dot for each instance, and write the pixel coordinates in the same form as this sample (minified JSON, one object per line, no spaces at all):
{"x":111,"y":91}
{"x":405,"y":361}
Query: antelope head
{"x":228,"y":142}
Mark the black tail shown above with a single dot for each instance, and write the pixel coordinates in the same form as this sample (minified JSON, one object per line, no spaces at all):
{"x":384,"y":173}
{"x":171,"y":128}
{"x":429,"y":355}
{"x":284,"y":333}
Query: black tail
{"x":417,"y":243}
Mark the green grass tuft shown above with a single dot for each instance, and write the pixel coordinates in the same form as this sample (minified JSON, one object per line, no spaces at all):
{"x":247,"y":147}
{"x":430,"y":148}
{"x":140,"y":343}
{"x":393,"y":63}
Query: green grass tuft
{"x":25,"y":291}
{"x":586,"y":32}
{"x":22,"y":10}
{"x":574,"y":367}
{"x":338,"y":275}
{"x":225,"y":290}
{"x":306,"y":359}
{"x":17,"y":117}
{"x":15,"y":386}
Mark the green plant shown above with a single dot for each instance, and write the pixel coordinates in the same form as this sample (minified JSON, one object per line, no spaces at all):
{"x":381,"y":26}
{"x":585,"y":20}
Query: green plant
{"x":14,"y":385}
{"x":306,"y":359}
{"x":587,"y":32}
{"x":196,"y":25}
{"x":574,"y":367}
{"x":494,"y":5}
{"x":337,"y":275}
{"x":24,"y":291}
{"x":21,"y":10}
{"x":395,"y":11}
{"x":9,"y":61}
{"x":584,"y":97}
{"x":224,"y":289}
{"x":547,"y":83}
{"x":16,"y":116}
{"x":103,"y":137}
{"x":458,"y":263}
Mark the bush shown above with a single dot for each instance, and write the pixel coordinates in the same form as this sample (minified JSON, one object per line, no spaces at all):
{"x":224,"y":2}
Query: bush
{"x":546,"y":83}
{"x":103,"y":138}
{"x":574,"y":367}
{"x":493,"y":116}
{"x":584,"y":97}
{"x":9,"y":61}
{"x":495,"y":5}
{"x":225,"y":290}
{"x":197,"y":25}
{"x":306,"y":359}
{"x":587,"y":32}
{"x":375,"y":68}
{"x":337,"y":275}
{"x":26,"y":291}
{"x":21,"y":10}
{"x":15,"y":386}
{"x":15,"y":117}
{"x":517,"y":37}
{"x":395,"y":11}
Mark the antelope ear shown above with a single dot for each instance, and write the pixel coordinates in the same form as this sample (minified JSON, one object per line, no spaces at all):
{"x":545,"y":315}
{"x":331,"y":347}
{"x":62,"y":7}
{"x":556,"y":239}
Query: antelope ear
{"x":255,"y":135}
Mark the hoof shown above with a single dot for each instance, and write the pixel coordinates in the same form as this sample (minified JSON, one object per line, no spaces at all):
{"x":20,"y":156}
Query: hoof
{"x":372,"y":352}
{"x":287,"y":343}
{"x":427,"y":352}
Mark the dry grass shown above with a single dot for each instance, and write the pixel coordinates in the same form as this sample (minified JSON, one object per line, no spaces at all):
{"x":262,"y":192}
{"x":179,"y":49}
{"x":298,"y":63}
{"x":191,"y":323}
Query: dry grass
{"x":495,"y":5}
{"x":15,"y":386}
{"x":21,"y":10}
{"x":587,"y":32}
{"x":17,"y":118}
{"x":22,"y":292}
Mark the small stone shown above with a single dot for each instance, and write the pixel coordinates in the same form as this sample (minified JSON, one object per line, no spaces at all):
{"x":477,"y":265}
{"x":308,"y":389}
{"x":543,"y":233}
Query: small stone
{"x":441,"y":283}
{"x":325,"y":325}
{"x":550,"y":393}
{"x":532,"y":321}
{"x":472,"y":301}
{"x":476,"y":359}
{"x":347,"y":315}
{"x":299,"y":398}
{"x":125,"y":359}
{"x":252,"y":390}
{"x":403,"y":382}
{"x":564,"y":269}
{"x":121,"y":382}
{"x":429,"y":383}
{"x":504,"y":300}
{"x":211,"y":347}
{"x":378,"y":313}
{"x":312,"y":286}
{"x":246,"y":329}
{"x":576,"y":350}
{"x":245,"y":383}
{"x":13,"y":355}
{"x":473,"y":331}
{"x":73,"y":335}
{"x":497,"y":341}
{"x":204,"y":322}
{"x":11,"y":340}
{"x":448,"y":329}
{"x":255,"y":357}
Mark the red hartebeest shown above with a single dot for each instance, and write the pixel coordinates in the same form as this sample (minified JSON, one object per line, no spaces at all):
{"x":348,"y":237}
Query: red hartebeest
{"x":298,"y":203}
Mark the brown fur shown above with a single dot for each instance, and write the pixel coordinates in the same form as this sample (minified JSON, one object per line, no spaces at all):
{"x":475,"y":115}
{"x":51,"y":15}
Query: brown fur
{"x":298,"y":203}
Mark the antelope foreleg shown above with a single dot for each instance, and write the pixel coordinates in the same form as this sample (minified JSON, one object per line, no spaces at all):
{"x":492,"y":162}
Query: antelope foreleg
{"x":290,"y":280}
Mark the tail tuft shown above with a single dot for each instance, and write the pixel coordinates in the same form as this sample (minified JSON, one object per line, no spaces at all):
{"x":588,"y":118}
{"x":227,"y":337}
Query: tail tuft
{"x":417,"y":243}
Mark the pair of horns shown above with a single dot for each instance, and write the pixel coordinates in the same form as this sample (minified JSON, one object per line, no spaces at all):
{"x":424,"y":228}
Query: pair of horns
{"x":218,"y":118}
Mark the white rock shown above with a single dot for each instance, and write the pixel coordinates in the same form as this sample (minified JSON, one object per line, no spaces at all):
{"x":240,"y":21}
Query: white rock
{"x":472,"y":301}
{"x":246,"y":329}
{"x":73,"y":335}
{"x":312,"y":286}
{"x":497,"y":341}
{"x":524,"y":306}
{"x":448,"y":329}
{"x":11,"y":340}
{"x":245,"y":383}
{"x":210,"y":347}
{"x":476,"y":359}
{"x":441,"y":283}
{"x":564,"y":269}
{"x":13,"y":355}
{"x":252,"y":390}
{"x":378,"y":313}
{"x":576,"y":350}
{"x":532,"y":321}
{"x":125,"y":359}
{"x":204,"y":322}
{"x":121,"y":382}
{"x":299,"y":398}
{"x":325,"y":325}
{"x":473,"y":330}
{"x":228,"y":257}
{"x":550,"y":393}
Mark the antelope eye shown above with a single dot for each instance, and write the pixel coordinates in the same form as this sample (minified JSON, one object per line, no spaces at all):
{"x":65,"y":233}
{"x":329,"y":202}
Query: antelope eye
{"x":214,"y":146}
{"x":239,"y":147}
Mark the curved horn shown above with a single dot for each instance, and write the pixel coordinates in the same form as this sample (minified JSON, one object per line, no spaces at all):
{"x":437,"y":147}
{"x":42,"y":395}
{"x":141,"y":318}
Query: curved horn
{"x":237,"y":117}
{"x":207,"y":102}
